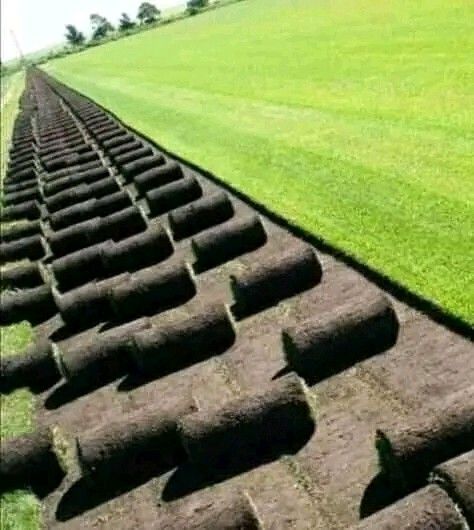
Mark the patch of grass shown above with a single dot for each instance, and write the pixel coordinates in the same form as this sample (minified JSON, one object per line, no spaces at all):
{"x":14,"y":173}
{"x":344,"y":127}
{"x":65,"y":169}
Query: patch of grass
{"x":351,"y":119}
{"x":19,"y":510}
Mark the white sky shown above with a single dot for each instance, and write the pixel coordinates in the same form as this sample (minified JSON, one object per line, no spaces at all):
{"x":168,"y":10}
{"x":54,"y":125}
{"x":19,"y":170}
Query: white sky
{"x":39,"y":24}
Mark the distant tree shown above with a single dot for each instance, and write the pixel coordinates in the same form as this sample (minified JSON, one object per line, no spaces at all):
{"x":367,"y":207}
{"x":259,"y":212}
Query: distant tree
{"x":126,"y":22}
{"x":148,"y":13}
{"x":193,"y":6}
{"x":73,"y":36}
{"x":100,"y":26}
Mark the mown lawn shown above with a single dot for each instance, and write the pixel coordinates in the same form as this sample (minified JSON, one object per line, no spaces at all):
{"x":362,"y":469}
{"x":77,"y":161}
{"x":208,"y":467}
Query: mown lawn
{"x":351,"y":118}
{"x":19,"y":510}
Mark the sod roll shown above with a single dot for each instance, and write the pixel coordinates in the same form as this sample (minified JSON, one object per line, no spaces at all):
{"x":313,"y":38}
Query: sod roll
{"x":146,"y":437}
{"x":136,"y":252}
{"x":20,"y":231}
{"x":30,"y":247}
{"x":456,"y":477}
{"x":174,"y":346}
{"x":236,"y":511}
{"x":104,"y":358}
{"x":26,"y":460}
{"x":228,"y":241}
{"x":172,"y":195}
{"x":251,"y":429}
{"x":74,"y":237}
{"x":22,"y":276}
{"x":151,"y":290}
{"x":120,"y":225}
{"x":117,"y":141}
{"x":138,"y":166}
{"x":428,"y":508}
{"x":158,"y":176}
{"x":130,"y":156}
{"x":124,"y":148}
{"x":26,"y":210}
{"x":79,"y":267}
{"x":34,"y":305}
{"x":408,"y":452}
{"x":81,"y":177}
{"x":204,"y":213}
{"x":277,"y":278}
{"x":325,"y":344}
{"x":20,"y":186}
{"x":19,"y":197}
{"x":33,"y":367}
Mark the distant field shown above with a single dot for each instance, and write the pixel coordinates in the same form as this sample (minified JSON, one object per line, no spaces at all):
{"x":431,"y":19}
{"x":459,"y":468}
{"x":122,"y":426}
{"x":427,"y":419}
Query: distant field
{"x":351,"y":118}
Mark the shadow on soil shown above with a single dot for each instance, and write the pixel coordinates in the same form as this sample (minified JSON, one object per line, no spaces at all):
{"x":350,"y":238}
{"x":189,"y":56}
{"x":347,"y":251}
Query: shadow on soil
{"x":379,"y":494}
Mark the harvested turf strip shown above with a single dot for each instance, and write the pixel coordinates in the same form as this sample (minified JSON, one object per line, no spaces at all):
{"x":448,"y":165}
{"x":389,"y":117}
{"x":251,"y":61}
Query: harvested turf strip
{"x":173,"y":195}
{"x":21,"y":276}
{"x":35,"y":305}
{"x":26,"y":210}
{"x":456,"y":477}
{"x":31,"y":247}
{"x":136,"y":167}
{"x":25,"y":229}
{"x":158,"y":176}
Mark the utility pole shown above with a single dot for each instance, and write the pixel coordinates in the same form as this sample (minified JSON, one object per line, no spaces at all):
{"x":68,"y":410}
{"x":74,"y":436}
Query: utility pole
{"x":17,"y":45}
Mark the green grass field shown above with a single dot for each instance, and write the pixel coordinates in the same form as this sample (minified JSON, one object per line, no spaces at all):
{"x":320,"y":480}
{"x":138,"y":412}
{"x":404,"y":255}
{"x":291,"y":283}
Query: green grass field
{"x":19,"y":510}
{"x":350,"y":118}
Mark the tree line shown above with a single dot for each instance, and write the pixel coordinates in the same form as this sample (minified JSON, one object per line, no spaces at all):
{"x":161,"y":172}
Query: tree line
{"x":147,"y":14}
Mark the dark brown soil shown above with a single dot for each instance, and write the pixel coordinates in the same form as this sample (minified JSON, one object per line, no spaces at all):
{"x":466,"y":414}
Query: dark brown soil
{"x":331,"y":477}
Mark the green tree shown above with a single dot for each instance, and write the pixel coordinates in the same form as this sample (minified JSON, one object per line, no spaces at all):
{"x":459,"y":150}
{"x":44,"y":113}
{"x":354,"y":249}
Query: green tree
{"x":193,"y":6}
{"x":100,"y":26}
{"x":126,"y":22}
{"x":73,"y":36}
{"x":148,"y":13}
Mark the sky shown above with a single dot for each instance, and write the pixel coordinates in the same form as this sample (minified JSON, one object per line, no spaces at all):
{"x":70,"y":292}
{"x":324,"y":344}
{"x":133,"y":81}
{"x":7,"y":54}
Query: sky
{"x":39,"y":24}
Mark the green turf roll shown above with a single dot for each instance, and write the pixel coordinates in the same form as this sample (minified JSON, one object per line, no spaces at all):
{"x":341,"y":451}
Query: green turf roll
{"x":234,"y":511}
{"x":34,"y":368}
{"x":204,"y":213}
{"x":173,"y":195}
{"x":428,"y":508}
{"x":34,"y":305}
{"x":175,"y":346}
{"x":279,"y":277}
{"x":31,"y":247}
{"x":143,"y":438}
{"x":253,"y":428}
{"x":456,"y":477}
{"x":228,"y":241}
{"x":329,"y":343}
{"x":28,"y":460}
{"x":158,"y":176}
{"x":409,"y":451}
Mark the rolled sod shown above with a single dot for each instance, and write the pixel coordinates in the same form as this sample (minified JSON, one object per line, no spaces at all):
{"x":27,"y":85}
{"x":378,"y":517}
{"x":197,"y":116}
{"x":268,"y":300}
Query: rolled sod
{"x":172,"y":195}
{"x":23,"y":230}
{"x":108,"y":135}
{"x":72,"y":172}
{"x":82,"y":192}
{"x":146,"y":437}
{"x":27,"y":210}
{"x":329,"y":343}
{"x":84,"y":177}
{"x":74,"y":237}
{"x":275,"y":279}
{"x":103,"y":359}
{"x":35,"y":367}
{"x":158,"y":176}
{"x":427,"y":508}
{"x":21,"y":196}
{"x":228,"y":241}
{"x":122,"y":224}
{"x":70,"y":160}
{"x":204,"y":213}
{"x":137,"y":251}
{"x":20,"y":186}
{"x":28,"y":460}
{"x":253,"y":428}
{"x":22,"y":276}
{"x":408,"y":452}
{"x":34,"y":305}
{"x":236,"y":511}
{"x":78,"y":268}
{"x":130,"y":156}
{"x":456,"y":477}
{"x":91,"y":208}
{"x":77,"y":149}
{"x":121,"y":149}
{"x":132,"y":169}
{"x":30,"y":247}
{"x":151,"y":290}
{"x":194,"y":339}
{"x":118,"y":140}
{"x":22,"y":174}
